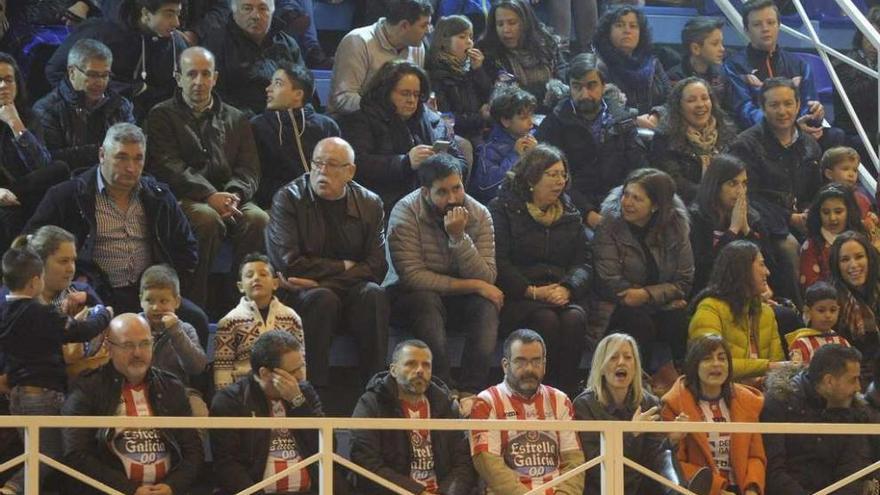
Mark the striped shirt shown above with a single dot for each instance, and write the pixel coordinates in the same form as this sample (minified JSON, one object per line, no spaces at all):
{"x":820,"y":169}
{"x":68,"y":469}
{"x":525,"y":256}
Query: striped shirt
{"x":142,"y":452}
{"x":803,"y":348}
{"x":122,"y":246}
{"x":535,"y":456}
{"x":283,"y":453}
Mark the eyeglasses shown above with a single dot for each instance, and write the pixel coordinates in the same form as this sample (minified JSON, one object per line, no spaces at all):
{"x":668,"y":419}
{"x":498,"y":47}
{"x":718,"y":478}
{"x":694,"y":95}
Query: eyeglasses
{"x":95,"y":76}
{"x":322,"y":165}
{"x":557,"y":175}
{"x":407,"y":94}
{"x":520,"y":363}
{"x":131,"y":346}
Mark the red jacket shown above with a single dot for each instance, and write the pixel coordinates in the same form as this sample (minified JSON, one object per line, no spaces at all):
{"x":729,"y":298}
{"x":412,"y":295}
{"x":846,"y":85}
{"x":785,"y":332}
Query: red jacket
{"x":746,"y":449}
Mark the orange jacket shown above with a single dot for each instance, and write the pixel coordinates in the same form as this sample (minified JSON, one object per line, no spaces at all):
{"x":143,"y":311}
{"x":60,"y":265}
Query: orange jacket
{"x":747,"y":456}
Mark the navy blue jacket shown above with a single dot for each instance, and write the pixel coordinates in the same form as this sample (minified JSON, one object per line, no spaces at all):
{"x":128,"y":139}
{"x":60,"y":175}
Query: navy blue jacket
{"x":71,"y":206}
{"x":493,"y":160}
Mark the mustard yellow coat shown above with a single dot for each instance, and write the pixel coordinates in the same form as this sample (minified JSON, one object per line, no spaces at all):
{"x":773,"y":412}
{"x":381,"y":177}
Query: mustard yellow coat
{"x":713,"y":317}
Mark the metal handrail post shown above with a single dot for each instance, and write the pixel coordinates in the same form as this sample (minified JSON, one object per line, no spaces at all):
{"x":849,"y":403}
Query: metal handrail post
{"x":32,"y":463}
{"x":326,"y":450}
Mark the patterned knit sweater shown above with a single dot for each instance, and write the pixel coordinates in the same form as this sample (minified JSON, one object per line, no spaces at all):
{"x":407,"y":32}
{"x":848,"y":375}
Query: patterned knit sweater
{"x":240,"y":328}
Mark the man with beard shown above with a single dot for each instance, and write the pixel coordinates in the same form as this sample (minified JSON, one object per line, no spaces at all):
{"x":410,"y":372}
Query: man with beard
{"x":139,"y":461}
{"x":597,"y":134}
{"x":419,"y":461}
{"x":441,"y":247}
{"x":518,"y":461}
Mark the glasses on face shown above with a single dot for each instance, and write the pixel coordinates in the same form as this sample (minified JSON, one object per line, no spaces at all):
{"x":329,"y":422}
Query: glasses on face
{"x":407,"y":94}
{"x":328,"y":166}
{"x":520,"y":363}
{"x":94,"y":76}
{"x":132,"y":346}
{"x":557,"y":175}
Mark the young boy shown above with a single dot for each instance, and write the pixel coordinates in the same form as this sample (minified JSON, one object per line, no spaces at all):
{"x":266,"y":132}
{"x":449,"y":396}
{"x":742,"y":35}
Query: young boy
{"x":258,"y":311}
{"x":176,"y":347}
{"x":820,"y":312}
{"x":841,"y":164}
{"x":703,"y":43}
{"x":512,"y":110}
{"x":32,"y":334}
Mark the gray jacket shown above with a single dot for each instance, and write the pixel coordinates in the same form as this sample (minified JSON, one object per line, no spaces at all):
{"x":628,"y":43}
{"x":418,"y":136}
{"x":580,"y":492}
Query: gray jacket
{"x":359,"y":56}
{"x":420,"y":254}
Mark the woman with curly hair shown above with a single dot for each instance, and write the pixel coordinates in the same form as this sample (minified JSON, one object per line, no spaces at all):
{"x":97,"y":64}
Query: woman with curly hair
{"x":732,"y":308}
{"x":519,"y":48}
{"x":693,"y":130}
{"x":623,"y":42}
{"x":543,"y":259}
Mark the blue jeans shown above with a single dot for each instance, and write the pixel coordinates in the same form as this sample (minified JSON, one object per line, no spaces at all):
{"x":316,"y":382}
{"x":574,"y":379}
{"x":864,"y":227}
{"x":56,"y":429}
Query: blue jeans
{"x":37,"y":402}
{"x":427,"y":315}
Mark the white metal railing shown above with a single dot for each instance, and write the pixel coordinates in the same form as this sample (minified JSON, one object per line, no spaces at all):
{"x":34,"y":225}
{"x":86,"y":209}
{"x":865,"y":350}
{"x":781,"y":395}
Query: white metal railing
{"x":867,"y":29}
{"x":611,"y":456}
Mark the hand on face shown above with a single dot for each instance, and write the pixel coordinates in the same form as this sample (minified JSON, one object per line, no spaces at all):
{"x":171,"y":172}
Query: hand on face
{"x":455,"y":221}
{"x":8,"y":198}
{"x":286,"y":384}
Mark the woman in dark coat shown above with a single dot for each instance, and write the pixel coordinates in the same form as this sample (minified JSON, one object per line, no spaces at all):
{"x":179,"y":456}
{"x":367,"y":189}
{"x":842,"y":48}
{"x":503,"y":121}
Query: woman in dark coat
{"x":693,"y":130}
{"x":543,"y":260}
{"x":394,"y":131}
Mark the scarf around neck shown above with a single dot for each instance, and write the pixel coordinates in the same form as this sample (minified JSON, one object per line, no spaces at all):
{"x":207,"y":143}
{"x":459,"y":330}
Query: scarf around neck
{"x":548,"y":216}
{"x":704,"y":140}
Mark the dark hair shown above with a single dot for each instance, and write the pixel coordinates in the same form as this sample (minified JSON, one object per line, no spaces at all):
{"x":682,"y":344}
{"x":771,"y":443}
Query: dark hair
{"x":778,"y":82}
{"x":20,"y":265}
{"x":697,"y":29}
{"x":602,"y":39}
{"x":873,"y":17}
{"x":254,"y":258}
{"x":300,"y":78}
{"x":731,"y":280}
{"x":837,"y":154}
{"x":698,"y":350}
{"x":437,"y":167}
{"x":510,"y":100}
{"x":820,"y":291}
{"x":45,"y":240}
{"x":834,"y":190}
{"x":584,"y":63}
{"x":674,"y":125}
{"x":377,"y":92}
{"x":837,"y":280}
{"x":446,"y":28}
{"x":160,"y":277}
{"x":130,"y":10}
{"x":398,"y":349}
{"x":22,"y":101}
{"x":536,"y":38}
{"x":524,"y":335}
{"x":754,"y":5}
{"x":529,"y":169}
{"x":407,"y":10}
{"x":722,"y":168}
{"x":270,"y":347}
{"x":831,"y":359}
{"x":660,"y":188}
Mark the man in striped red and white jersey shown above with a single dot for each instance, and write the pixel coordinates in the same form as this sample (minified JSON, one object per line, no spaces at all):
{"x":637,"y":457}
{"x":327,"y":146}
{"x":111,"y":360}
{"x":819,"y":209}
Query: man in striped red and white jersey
{"x":513,"y":462}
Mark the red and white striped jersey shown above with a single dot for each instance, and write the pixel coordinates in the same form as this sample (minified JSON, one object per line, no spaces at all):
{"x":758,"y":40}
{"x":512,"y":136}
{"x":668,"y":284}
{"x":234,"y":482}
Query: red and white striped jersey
{"x":421,"y":467}
{"x":534,"y":455}
{"x":143,"y":452}
{"x":283,"y":453}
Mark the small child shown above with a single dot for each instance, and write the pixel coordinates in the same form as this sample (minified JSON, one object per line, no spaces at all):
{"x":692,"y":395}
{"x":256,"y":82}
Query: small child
{"x":32,"y":334}
{"x":258,"y":312}
{"x":512,"y":110}
{"x":820,"y":313}
{"x":841,"y":164}
{"x":176,"y":347}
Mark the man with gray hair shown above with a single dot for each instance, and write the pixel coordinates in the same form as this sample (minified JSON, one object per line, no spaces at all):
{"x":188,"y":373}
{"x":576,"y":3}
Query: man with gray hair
{"x":75,"y":116}
{"x":124,"y":222}
{"x":248,"y":50}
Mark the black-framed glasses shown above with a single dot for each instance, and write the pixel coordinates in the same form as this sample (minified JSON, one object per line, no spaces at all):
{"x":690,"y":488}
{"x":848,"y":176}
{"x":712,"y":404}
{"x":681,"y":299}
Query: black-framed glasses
{"x":95,"y":76}
{"x":132,"y":346}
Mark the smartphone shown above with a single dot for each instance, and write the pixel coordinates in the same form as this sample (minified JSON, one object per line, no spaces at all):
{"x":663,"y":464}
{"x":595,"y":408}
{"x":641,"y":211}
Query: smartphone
{"x":441,"y":146}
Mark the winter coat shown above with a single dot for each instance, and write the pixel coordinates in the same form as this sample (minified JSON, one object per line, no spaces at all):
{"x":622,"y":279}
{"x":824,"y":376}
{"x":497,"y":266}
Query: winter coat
{"x":144,"y":85}
{"x":648,"y":449}
{"x":645,"y":92}
{"x":73,"y":132}
{"x":87,"y":450}
{"x":778,"y":63}
{"x":388,"y":453}
{"x":714,"y":317}
{"x":862,"y":92}
{"x":781,"y":180}
{"x":714,"y":76}
{"x":498,"y":62}
{"x":493,"y":159}
{"x":381,"y":142}
{"x":280,"y":149}
{"x":25,"y":168}
{"x":802,"y":464}
{"x":462,"y":95}
{"x":296,"y":236}
{"x":246,"y":68}
{"x":595,"y":168}
{"x":814,"y":261}
{"x":240,"y":454}
{"x":679,"y":158}
{"x":199,"y":155}
{"x":71,"y":206}
{"x":748,"y":460}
